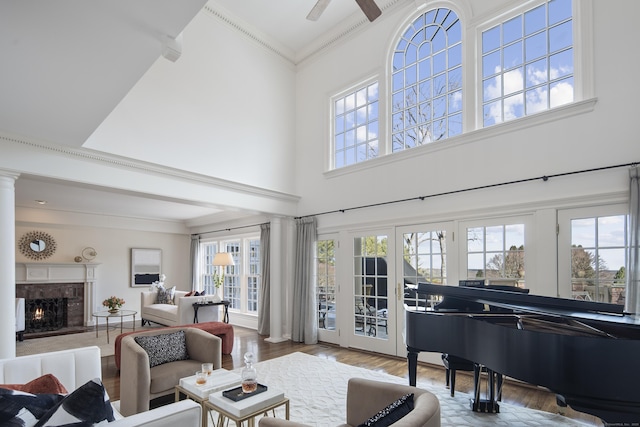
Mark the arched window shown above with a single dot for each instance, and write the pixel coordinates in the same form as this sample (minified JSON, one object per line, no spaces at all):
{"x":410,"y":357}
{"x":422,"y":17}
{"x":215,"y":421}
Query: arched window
{"x":426,"y":86}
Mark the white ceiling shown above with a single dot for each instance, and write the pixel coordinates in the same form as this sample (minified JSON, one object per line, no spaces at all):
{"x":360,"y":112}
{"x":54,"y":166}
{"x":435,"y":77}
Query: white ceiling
{"x":74,"y":50}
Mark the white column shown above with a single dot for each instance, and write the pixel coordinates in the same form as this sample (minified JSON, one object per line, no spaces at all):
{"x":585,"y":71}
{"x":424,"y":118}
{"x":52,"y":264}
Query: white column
{"x":275,"y":323}
{"x":7,"y":264}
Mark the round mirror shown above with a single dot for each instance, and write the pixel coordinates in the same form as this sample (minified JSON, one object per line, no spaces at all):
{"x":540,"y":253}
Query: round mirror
{"x":37,"y":245}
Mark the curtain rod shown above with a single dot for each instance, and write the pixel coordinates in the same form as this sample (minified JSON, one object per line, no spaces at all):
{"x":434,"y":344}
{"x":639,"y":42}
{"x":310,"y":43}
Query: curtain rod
{"x":230,"y":229}
{"x":544,"y":178}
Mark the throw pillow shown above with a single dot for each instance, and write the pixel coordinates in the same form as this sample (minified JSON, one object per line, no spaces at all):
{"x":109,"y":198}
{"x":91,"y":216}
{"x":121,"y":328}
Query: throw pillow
{"x":18,"y":408}
{"x":46,"y":384}
{"x":87,"y":405}
{"x":164,"y":348}
{"x":190,"y":293}
{"x":391,"y":413}
{"x":165,"y":296}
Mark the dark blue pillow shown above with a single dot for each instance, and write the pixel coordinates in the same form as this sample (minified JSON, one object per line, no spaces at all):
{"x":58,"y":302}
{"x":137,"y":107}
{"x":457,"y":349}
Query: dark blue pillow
{"x":18,"y":408}
{"x":391,"y":413}
{"x":87,"y":405}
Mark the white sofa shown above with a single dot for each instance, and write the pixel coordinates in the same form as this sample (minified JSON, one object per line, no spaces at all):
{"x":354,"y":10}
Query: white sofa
{"x":75,"y":367}
{"x":20,"y":325}
{"x":177,"y":314}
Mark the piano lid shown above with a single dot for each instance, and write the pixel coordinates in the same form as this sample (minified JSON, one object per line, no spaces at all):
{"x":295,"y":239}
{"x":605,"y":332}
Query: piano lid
{"x":535,"y":304}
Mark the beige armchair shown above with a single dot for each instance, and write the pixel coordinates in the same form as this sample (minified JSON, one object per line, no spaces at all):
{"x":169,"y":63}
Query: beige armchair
{"x":366,"y":397}
{"x":140,"y":383}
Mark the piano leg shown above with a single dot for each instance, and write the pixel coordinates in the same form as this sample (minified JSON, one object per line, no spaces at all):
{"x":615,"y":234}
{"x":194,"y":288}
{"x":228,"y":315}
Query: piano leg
{"x":412,"y":359}
{"x":485,"y":405}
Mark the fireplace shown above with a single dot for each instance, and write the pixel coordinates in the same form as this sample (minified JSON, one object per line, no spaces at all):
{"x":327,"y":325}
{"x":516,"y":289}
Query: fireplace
{"x":72,"y":285}
{"x":52,"y":306}
{"x":44,"y":315}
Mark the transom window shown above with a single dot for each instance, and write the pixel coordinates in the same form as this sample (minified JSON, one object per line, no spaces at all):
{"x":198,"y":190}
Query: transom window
{"x":426,"y":99}
{"x":356,"y":125}
{"x":527,"y":63}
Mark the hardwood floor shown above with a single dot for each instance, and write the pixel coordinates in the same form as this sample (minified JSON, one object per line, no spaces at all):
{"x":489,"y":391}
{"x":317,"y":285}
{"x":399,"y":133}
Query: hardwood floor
{"x":248,"y":340}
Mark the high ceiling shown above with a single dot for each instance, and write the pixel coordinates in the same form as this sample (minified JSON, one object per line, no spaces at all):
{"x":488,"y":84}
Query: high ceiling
{"x":74,"y":50}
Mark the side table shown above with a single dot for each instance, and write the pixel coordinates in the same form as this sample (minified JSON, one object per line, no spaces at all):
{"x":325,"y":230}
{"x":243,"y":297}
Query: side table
{"x":220,"y":379}
{"x":246,"y":409}
{"x":197,"y":305}
{"x":120,"y":313}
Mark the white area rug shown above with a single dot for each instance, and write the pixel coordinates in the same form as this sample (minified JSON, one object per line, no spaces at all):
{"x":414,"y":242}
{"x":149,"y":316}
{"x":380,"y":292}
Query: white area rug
{"x":317,"y":389}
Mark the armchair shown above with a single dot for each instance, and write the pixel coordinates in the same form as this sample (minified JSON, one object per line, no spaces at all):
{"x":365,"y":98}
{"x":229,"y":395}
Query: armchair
{"x":366,"y":397}
{"x":140,"y":383}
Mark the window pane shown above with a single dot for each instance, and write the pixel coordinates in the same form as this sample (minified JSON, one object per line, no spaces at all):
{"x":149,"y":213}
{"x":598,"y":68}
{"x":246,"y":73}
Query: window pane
{"x":537,"y":73}
{"x":560,"y":36}
{"x":535,"y":46}
{"x":535,"y":20}
{"x":561,"y":64}
{"x":513,"y":55}
{"x":491,"y":64}
{"x":512,"y":30}
{"x":491,"y":39}
{"x":611,"y":231}
{"x":561,"y":92}
{"x":559,"y":10}
{"x":514,"y":107}
{"x":537,"y":100}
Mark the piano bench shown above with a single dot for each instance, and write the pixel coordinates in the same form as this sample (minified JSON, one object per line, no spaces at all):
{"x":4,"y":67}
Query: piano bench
{"x":452,"y":364}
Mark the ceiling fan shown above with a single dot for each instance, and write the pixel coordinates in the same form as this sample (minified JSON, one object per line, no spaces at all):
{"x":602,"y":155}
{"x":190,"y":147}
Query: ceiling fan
{"x":369,"y":7}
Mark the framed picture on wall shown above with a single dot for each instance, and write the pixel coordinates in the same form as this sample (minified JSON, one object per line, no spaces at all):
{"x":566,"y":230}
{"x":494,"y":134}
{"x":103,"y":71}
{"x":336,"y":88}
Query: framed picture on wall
{"x":146,"y":266}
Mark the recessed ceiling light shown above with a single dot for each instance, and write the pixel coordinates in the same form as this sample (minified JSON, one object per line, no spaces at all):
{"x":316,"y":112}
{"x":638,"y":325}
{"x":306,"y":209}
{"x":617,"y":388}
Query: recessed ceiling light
{"x":41,"y":202}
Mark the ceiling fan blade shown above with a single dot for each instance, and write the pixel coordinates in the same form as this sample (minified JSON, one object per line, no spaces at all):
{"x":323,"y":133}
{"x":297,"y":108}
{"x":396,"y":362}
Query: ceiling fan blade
{"x":317,"y":10}
{"x":370,"y":9}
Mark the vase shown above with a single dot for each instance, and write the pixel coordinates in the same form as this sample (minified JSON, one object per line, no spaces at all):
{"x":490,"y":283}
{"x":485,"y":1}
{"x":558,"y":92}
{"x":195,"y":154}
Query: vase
{"x":114,"y":310}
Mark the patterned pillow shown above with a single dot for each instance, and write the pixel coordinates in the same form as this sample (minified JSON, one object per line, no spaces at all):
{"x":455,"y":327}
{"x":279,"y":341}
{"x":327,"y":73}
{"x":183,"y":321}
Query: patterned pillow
{"x":391,"y":413}
{"x":87,"y":405}
{"x":165,"y":296}
{"x":164,"y":348}
{"x":47,"y":383}
{"x":18,"y":408}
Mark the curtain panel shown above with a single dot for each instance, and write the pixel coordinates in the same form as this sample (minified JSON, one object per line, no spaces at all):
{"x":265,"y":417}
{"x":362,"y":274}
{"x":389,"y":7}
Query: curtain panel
{"x":194,"y":259}
{"x":264,"y":309}
{"x":632,"y":301}
{"x":304,"y":327}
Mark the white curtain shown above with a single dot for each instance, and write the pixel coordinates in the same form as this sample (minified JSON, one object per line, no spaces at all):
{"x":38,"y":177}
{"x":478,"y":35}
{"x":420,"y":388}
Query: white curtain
{"x":264,"y":319}
{"x":632,"y":301}
{"x":305,"y":323}
{"x":195,"y":255}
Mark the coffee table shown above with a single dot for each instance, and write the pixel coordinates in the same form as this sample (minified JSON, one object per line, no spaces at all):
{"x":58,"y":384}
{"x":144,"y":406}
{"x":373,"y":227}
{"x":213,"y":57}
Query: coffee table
{"x":220,"y":379}
{"x":246,"y":409}
{"x":120,"y":313}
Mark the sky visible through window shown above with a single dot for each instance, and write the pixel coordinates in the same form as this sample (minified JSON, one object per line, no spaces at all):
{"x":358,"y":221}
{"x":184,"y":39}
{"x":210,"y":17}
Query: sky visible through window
{"x":527,"y":63}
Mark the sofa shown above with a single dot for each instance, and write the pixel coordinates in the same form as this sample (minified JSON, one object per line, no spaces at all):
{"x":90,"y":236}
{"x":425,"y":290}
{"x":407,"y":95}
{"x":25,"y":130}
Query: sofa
{"x":73,"y":368}
{"x":20,"y":313}
{"x":179,"y":313}
{"x":366,"y":398}
{"x":220,"y":329}
{"x":154,"y":361}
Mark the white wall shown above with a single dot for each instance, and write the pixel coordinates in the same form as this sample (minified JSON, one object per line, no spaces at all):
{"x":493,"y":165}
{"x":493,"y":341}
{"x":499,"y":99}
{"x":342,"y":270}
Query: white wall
{"x":113,"y":246}
{"x":223,"y":109}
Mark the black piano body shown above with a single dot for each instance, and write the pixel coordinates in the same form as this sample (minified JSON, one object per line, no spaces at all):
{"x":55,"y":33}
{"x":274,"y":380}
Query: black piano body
{"x":587,"y":353}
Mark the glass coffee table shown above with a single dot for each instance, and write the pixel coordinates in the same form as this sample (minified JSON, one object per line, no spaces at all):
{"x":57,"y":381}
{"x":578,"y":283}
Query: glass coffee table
{"x":109,"y":315}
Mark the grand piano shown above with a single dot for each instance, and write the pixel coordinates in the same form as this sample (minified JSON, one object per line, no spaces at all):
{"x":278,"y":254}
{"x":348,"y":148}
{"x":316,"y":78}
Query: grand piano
{"x":587,"y":353}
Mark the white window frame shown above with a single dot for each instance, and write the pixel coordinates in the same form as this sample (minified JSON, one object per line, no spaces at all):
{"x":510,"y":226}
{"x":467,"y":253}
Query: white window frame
{"x":353,"y":90}
{"x":564,"y":238}
{"x":241,"y":272}
{"x":582,"y":17}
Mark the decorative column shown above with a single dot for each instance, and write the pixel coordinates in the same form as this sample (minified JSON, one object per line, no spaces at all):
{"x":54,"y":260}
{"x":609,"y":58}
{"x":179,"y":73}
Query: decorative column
{"x":275,"y":324}
{"x":7,"y":264}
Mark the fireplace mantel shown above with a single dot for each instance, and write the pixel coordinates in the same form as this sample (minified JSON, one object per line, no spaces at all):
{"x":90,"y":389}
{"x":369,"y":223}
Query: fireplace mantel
{"x":87,"y":273}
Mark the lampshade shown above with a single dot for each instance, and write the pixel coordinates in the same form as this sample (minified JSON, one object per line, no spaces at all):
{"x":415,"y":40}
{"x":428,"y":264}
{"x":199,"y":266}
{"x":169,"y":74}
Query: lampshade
{"x":223,"y":259}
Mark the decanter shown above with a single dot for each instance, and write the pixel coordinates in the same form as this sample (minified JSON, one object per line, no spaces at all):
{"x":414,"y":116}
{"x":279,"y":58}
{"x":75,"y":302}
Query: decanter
{"x":249,"y":374}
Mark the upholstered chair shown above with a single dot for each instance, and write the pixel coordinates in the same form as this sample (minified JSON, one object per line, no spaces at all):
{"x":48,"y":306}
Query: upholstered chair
{"x":365,"y":398}
{"x":140,"y":382}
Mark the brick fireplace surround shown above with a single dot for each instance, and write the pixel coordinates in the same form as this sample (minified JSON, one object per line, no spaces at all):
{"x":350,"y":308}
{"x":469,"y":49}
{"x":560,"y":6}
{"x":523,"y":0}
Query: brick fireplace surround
{"x":76,"y":282}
